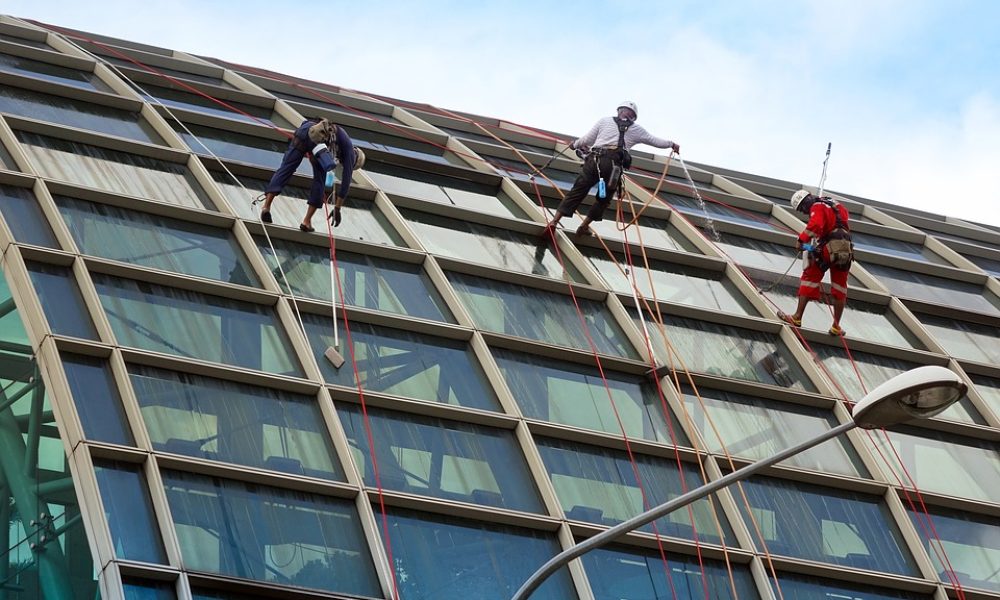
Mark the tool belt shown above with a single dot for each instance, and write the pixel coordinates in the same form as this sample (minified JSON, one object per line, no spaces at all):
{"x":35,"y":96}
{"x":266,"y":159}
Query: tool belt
{"x":619,"y":156}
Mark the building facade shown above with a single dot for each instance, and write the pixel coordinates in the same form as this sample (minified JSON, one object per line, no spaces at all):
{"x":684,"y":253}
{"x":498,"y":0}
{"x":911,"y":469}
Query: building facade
{"x":171,"y":428}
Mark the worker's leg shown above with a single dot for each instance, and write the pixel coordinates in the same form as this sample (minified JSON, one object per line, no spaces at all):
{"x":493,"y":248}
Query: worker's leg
{"x":838,"y":289}
{"x":581,"y":187}
{"x":289,"y":162}
{"x":316,"y":194}
{"x":809,"y":288}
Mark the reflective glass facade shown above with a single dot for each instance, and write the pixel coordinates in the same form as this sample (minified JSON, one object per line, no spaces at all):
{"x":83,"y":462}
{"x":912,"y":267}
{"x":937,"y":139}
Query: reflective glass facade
{"x":172,"y":425}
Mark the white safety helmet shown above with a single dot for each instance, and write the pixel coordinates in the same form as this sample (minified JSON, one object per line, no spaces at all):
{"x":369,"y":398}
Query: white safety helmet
{"x":629,"y":105}
{"x":798,"y":197}
{"x":359,"y":158}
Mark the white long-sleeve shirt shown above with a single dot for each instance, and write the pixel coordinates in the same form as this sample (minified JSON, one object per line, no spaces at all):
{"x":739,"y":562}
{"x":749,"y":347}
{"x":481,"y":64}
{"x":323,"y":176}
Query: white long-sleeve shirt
{"x":605,"y":133}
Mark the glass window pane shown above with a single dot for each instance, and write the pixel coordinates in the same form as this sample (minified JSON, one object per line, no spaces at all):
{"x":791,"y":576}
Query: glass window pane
{"x":970,"y":542}
{"x":267,"y":534}
{"x":500,"y":248}
{"x":235,"y":146}
{"x":617,"y":573}
{"x":24,"y":217}
{"x":541,"y":315}
{"x":728,"y":352}
{"x":756,"y":428}
{"x":672,"y":283}
{"x":444,"y":557}
{"x":20,"y":65}
{"x":362,"y":220}
{"x":964,"y":339}
{"x":97,"y":399}
{"x":328,"y":100}
{"x":154,"y":241}
{"x":575,"y":395}
{"x":942,"y":463}
{"x":517,"y":170}
{"x":863,"y":320}
{"x":600,"y":485}
{"x":757,"y":254}
{"x":196,"y":325}
{"x":234,"y":422}
{"x":718,"y":211}
{"x":148,"y":590}
{"x":440,"y":458}
{"x":802,"y":587}
{"x":115,"y":171}
{"x":884,"y":245}
{"x":989,"y":390}
{"x":404,"y":363}
{"x":432,"y":187}
{"x":129,"y":511}
{"x":650,"y":232}
{"x":77,"y":113}
{"x":365,"y":281}
{"x":61,"y":300}
{"x":405,"y":146}
{"x":990,"y":265}
{"x":873,"y":370}
{"x":939,"y":290}
{"x":191,"y":101}
{"x":827,"y":525}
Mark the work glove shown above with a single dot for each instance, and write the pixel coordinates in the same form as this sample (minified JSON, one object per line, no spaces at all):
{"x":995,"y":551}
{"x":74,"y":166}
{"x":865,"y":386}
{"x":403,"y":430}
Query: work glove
{"x":676,"y":147}
{"x":582,"y":152}
{"x":336,"y":217}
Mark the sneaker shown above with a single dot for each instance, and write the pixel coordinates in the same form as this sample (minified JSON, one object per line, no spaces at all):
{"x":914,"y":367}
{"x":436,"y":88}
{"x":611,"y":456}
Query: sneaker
{"x":790,"y":319}
{"x":265,"y":216}
{"x":837,"y":330}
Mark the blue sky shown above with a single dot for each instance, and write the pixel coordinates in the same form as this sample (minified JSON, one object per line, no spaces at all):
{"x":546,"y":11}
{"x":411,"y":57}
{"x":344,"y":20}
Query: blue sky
{"x":907,"y":91}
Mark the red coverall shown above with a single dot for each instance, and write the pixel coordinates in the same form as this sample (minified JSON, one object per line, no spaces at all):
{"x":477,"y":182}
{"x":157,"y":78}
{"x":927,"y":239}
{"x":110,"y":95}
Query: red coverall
{"x":822,"y":221}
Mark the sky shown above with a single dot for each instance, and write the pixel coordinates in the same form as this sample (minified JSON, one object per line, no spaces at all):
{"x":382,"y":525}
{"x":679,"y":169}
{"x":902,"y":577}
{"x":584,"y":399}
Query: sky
{"x":907,"y":91}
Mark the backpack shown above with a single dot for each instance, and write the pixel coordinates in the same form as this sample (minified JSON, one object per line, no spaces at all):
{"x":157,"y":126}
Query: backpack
{"x":838,"y":242}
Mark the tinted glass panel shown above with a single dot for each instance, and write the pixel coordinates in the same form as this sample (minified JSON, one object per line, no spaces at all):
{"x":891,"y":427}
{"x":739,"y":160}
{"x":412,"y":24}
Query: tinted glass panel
{"x":757,"y":254}
{"x":969,"y":542}
{"x":802,"y":587}
{"x":616,"y":573}
{"x":756,"y":428}
{"x":129,"y":511}
{"x":575,"y":395}
{"x":672,"y":283}
{"x":362,"y":220}
{"x":862,"y":320}
{"x":50,"y":72}
{"x":405,"y":146}
{"x":826,"y":525}
{"x":61,"y":300}
{"x":440,"y":458}
{"x":154,"y":241}
{"x":195,"y":325}
{"x":114,"y":171}
{"x":500,"y":248}
{"x":717,"y":210}
{"x":148,"y":591}
{"x":729,"y":352}
{"x":874,"y":370}
{"x":225,"y":108}
{"x":365,"y":281}
{"x":939,"y":290}
{"x":942,"y":463}
{"x":96,"y":398}
{"x":540,"y":315}
{"x":234,"y":422}
{"x":405,"y":363}
{"x":267,"y":534}
{"x":445,"y":557}
{"x":444,"y":190}
{"x":238,"y":147}
{"x":989,"y":390}
{"x":77,"y":113}
{"x":884,"y":245}
{"x":966,"y":340}
{"x":24,"y":217}
{"x":650,"y":232}
{"x":990,"y":265}
{"x":603,"y":486}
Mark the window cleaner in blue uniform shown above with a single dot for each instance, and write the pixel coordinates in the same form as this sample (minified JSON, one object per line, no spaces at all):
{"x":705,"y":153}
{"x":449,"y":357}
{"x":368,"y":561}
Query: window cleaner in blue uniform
{"x":326,"y":145}
{"x":605,"y":150}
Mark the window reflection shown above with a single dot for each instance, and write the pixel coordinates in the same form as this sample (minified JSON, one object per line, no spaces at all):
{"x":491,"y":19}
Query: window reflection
{"x":969,"y":542}
{"x":61,"y":300}
{"x":802,"y":587}
{"x":20,"y":65}
{"x":964,"y":339}
{"x":938,"y":290}
{"x":129,"y":511}
{"x":535,"y":314}
{"x":96,"y":398}
{"x":24,"y":217}
{"x":884,"y":245}
{"x":719,"y":211}
{"x":440,"y":458}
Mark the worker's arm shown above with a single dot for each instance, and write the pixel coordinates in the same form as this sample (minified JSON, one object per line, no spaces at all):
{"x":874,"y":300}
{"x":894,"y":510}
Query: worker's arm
{"x":345,"y":147}
{"x":815,"y":226}
{"x":588,"y":139}
{"x":644,"y":137}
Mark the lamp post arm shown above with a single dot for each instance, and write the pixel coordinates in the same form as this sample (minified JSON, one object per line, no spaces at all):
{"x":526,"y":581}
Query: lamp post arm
{"x":605,"y":537}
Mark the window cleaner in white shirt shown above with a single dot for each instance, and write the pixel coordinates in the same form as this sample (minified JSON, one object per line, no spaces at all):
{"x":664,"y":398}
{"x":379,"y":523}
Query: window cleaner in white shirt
{"x":605,"y":152}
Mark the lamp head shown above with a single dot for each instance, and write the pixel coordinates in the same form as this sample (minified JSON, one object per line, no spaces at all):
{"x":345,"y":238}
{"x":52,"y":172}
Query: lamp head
{"x":920,"y":393}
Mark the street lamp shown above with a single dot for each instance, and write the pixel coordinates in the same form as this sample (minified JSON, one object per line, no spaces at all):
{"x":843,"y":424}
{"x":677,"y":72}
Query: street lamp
{"x":917,"y":394}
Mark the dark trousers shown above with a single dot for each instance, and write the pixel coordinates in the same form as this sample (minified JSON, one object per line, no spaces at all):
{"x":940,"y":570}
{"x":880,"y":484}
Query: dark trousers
{"x":291,"y":161}
{"x":595,"y":167}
